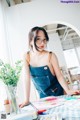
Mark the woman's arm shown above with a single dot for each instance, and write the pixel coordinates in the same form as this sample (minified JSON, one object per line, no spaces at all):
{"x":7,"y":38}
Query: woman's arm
{"x":26,"y":81}
{"x":55,"y":64}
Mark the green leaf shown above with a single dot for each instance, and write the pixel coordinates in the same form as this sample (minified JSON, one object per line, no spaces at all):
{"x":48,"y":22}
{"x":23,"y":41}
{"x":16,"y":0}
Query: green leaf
{"x":10,"y":74}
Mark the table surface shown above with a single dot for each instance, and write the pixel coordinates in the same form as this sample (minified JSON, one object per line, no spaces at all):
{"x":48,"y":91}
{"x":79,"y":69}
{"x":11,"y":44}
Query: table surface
{"x":64,"y":111}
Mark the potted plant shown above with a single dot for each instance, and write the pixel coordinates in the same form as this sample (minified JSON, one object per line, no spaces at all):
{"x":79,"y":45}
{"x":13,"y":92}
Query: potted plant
{"x":10,"y":76}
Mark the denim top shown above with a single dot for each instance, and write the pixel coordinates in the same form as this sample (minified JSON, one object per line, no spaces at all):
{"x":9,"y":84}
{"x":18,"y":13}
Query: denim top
{"x":45,"y":83}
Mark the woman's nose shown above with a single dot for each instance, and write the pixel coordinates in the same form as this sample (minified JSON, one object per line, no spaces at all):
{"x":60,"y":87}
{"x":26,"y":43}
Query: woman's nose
{"x":42,"y":42}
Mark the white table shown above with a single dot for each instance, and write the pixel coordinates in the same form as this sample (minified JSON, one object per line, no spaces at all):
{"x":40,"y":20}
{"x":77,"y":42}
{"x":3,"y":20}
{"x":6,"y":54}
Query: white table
{"x":63,"y":111}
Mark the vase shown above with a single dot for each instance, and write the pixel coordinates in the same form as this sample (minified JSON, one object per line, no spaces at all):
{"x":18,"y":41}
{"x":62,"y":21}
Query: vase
{"x":14,"y":108}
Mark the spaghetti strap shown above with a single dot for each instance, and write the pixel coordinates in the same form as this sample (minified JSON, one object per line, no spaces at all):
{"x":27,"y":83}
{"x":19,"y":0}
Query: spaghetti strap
{"x":50,"y":54}
{"x":28,"y":57}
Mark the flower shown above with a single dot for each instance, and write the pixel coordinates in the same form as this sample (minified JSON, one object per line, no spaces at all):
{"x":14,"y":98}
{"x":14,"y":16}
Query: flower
{"x":10,"y":74}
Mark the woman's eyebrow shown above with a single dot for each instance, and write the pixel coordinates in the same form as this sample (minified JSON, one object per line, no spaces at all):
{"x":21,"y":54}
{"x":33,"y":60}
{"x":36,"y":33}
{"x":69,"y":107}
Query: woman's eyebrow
{"x":38,"y":36}
{"x":41,"y":37}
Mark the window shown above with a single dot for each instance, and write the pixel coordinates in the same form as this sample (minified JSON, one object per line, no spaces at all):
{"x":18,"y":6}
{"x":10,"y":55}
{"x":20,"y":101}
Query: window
{"x":71,"y":58}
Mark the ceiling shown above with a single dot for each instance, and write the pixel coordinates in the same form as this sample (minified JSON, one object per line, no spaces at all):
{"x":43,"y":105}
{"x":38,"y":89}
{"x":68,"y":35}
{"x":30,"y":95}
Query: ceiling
{"x":21,"y":1}
{"x":69,"y":38}
{"x":14,"y":2}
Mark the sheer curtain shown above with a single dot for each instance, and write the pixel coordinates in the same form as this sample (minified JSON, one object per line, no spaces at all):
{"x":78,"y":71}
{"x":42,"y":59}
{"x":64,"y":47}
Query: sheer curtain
{"x":3,"y":47}
{"x":3,"y":54}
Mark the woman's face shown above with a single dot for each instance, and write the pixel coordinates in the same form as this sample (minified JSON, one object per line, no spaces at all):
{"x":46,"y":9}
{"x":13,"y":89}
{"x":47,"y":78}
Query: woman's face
{"x":41,"y":41}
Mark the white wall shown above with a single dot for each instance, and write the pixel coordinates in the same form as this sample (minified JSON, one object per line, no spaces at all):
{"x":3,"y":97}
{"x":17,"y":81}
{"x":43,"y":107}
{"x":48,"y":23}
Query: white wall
{"x":55,"y":46}
{"x":22,"y":17}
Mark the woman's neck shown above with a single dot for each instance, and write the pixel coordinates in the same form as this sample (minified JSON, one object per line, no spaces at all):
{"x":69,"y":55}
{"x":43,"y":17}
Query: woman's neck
{"x":38,"y":53}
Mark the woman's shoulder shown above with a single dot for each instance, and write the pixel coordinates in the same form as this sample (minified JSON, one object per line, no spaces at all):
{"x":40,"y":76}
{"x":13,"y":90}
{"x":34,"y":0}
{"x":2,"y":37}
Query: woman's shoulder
{"x":52,"y":53}
{"x":52,"y":56}
{"x":26,"y":53}
{"x":27,"y":56}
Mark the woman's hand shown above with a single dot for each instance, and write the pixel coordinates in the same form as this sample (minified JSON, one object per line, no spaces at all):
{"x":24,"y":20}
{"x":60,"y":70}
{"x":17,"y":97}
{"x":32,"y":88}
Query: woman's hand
{"x":24,"y":104}
{"x":73,"y":92}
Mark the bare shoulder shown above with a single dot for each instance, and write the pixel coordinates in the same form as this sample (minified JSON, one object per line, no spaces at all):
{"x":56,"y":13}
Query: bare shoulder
{"x":54,"y":60}
{"x":26,"y":57}
{"x":53,"y":56}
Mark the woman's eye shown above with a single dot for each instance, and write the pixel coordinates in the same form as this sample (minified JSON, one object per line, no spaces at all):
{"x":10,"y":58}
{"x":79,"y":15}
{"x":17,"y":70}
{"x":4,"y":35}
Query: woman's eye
{"x":38,"y":38}
{"x":44,"y":40}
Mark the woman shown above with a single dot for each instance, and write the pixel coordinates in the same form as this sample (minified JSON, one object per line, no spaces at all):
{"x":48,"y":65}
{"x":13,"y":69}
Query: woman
{"x":43,"y":67}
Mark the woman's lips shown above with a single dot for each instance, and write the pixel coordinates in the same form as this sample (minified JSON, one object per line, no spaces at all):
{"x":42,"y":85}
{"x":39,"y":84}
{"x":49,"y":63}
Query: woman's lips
{"x":41,"y":47}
